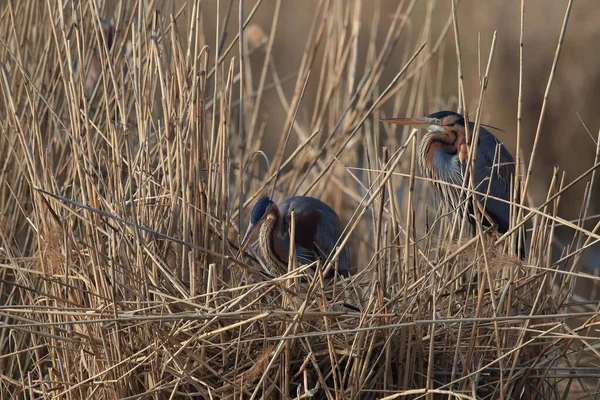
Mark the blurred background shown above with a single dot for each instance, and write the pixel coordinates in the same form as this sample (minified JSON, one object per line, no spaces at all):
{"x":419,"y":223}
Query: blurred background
{"x":570,"y":127}
{"x":572,"y":104}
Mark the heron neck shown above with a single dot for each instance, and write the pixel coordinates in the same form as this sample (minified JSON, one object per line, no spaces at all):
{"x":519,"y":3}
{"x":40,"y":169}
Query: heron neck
{"x":273,"y":246}
{"x":439,"y":155}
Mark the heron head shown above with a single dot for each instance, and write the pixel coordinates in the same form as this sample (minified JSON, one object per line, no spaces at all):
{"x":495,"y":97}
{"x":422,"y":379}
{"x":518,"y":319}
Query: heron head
{"x":441,"y":121}
{"x":445,"y":123}
{"x":259,"y":213}
{"x":260,"y":209}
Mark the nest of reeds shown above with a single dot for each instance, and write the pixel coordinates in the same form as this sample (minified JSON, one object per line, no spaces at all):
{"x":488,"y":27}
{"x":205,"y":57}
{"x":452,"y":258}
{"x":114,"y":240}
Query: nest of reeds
{"x":129,"y":170}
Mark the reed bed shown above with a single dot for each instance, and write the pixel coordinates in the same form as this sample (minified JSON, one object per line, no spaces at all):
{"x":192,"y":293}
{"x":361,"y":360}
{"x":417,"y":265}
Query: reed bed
{"x":133,"y":146}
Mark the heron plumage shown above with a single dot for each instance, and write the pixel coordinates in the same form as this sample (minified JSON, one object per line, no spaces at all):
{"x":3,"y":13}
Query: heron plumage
{"x":317,"y":231}
{"x":442,"y":157}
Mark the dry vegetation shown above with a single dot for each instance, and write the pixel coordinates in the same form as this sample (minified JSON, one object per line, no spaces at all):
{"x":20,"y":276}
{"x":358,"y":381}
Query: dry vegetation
{"x":128,"y":171}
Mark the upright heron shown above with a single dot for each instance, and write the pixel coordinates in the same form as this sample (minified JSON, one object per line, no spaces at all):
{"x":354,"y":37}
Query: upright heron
{"x":442,"y":155}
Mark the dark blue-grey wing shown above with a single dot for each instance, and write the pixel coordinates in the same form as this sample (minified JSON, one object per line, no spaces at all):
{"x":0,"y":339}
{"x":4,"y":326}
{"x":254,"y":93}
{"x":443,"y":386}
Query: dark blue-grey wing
{"x":495,"y":173}
{"x":318,"y":229}
{"x":327,"y":240}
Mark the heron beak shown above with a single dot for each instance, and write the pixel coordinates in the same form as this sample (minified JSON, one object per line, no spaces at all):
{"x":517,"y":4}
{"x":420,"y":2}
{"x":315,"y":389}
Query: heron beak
{"x":416,"y":122}
{"x":247,"y":237}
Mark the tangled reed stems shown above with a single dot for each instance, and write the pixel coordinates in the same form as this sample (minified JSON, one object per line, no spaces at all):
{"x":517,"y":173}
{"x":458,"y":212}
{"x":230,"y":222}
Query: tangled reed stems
{"x":131,"y":153}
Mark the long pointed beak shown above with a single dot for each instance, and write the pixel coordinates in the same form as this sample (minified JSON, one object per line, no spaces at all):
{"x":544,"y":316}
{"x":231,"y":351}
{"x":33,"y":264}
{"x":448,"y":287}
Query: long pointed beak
{"x":416,"y":122}
{"x":247,"y":237}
